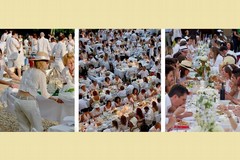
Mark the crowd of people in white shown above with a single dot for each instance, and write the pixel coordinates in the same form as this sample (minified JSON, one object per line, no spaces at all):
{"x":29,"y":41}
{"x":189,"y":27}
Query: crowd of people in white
{"x":119,"y":80}
{"x":16,"y":49}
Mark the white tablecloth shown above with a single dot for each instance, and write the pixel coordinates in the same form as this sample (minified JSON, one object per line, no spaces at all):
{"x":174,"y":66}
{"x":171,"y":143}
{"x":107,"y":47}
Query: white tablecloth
{"x":49,"y":109}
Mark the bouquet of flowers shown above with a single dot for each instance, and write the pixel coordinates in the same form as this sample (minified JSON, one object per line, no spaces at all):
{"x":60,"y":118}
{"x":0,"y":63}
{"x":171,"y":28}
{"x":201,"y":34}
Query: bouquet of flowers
{"x":203,"y":70}
{"x":54,"y":82}
{"x":206,"y":110}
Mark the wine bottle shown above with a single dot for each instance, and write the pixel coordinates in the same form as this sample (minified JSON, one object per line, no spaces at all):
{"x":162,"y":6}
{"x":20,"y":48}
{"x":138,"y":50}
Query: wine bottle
{"x":222,"y":92}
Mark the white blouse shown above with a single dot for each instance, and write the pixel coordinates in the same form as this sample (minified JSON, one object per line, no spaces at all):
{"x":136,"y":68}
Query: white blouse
{"x":67,"y":77}
{"x":32,"y":80}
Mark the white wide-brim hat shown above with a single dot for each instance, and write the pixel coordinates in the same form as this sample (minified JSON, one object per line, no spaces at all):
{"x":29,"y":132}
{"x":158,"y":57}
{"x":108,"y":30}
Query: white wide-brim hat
{"x":41,"y":56}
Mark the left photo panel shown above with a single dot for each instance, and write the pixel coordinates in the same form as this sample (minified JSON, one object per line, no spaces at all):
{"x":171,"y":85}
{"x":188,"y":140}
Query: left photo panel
{"x":37,"y":80}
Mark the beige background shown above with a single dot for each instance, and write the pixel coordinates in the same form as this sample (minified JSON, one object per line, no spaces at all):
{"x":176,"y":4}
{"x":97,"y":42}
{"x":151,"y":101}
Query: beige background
{"x":125,"y":14}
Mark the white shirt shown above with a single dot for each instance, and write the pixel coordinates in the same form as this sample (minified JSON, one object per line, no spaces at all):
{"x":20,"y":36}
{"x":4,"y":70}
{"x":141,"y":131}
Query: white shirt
{"x":176,"y":48}
{"x":168,"y":103}
{"x":67,"y":77}
{"x":2,"y":68}
{"x":143,"y":73}
{"x":92,"y":72}
{"x":34,"y":45}
{"x":218,"y":61}
{"x":82,"y":104}
{"x":149,"y":116}
{"x":43,"y":45}
{"x":117,"y":82}
{"x":127,"y":101}
{"x":122,"y":94}
{"x":94,"y":112}
{"x":60,"y":50}
{"x":13,"y":45}
{"x":4,"y":37}
{"x":93,"y":87}
{"x":70,"y":46}
{"x":228,"y":88}
{"x":52,"y":45}
{"x":129,"y":89}
{"x":142,"y":97}
{"x":32,"y":80}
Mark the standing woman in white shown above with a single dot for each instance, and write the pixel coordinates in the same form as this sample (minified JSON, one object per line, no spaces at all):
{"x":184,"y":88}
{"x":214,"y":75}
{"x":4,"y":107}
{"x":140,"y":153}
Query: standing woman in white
{"x":26,"y":106}
{"x":59,"y":52}
{"x":70,"y":44}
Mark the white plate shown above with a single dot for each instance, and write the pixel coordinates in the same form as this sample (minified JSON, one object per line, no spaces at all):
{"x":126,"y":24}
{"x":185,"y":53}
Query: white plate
{"x":188,"y":119}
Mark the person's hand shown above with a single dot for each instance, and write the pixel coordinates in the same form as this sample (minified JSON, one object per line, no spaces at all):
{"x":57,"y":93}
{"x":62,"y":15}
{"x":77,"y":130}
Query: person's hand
{"x":236,"y":112}
{"x":171,"y":122}
{"x":187,"y":114}
{"x":228,"y":96}
{"x":14,"y":85}
{"x":224,"y":109}
{"x":179,"y":110}
{"x":217,"y":86}
{"x":231,"y":107}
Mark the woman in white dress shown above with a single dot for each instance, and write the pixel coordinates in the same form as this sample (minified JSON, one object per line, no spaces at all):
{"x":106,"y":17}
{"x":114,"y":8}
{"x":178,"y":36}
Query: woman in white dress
{"x":108,"y":107}
{"x":135,"y":94}
{"x":227,"y":74}
{"x":26,"y":106}
{"x":70,"y":44}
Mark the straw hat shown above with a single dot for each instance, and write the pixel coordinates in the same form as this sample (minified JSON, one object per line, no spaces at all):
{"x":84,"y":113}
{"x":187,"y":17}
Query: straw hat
{"x":228,"y":60}
{"x":186,"y":64}
{"x":41,"y":56}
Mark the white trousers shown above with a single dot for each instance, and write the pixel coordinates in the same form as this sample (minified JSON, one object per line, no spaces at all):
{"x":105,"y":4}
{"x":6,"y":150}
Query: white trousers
{"x":28,"y":115}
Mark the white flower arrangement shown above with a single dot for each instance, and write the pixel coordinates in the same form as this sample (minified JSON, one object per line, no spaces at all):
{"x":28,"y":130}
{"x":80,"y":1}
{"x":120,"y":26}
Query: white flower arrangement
{"x":203,"y":58}
{"x":53,"y":85}
{"x":206,"y":110}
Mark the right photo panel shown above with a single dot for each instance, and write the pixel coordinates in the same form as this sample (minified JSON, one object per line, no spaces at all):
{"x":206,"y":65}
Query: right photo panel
{"x":202,"y":81}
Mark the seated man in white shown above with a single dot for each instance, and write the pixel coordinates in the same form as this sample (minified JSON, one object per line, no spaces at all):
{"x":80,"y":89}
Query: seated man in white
{"x":97,"y":111}
{"x":149,"y":116}
{"x":122,"y":92}
{"x":143,"y":72}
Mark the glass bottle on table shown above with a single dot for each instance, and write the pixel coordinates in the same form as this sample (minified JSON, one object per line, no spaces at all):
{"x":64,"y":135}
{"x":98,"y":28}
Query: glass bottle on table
{"x":222,"y":92}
